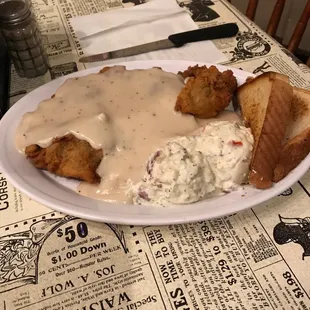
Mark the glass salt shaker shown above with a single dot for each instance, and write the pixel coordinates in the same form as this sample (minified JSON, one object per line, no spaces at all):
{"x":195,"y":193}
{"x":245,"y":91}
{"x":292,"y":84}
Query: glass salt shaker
{"x":22,"y":38}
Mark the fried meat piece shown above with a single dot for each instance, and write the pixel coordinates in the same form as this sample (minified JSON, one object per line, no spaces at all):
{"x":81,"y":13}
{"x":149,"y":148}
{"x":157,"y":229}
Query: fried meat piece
{"x":67,"y":157}
{"x":104,"y":69}
{"x":207,"y":91}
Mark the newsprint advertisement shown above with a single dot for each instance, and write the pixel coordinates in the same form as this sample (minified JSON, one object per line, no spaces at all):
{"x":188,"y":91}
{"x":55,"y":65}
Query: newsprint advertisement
{"x":256,"y":259}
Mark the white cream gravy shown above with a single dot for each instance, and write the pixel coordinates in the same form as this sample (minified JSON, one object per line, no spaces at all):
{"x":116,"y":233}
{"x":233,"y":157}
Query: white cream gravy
{"x":129,"y":114}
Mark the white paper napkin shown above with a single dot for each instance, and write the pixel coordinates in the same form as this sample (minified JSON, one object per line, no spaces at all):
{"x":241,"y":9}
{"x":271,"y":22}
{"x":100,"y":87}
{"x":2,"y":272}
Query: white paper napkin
{"x":152,"y":21}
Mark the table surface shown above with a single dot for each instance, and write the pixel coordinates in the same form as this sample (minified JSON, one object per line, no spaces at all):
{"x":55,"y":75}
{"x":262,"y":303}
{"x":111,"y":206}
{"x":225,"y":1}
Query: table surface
{"x":256,"y":259}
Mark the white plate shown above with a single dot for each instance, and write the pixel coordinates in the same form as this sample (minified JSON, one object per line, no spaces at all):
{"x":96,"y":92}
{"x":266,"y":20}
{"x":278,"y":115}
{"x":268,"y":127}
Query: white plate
{"x":57,"y":193}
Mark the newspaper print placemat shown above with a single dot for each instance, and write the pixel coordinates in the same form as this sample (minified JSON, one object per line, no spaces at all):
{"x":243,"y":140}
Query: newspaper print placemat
{"x":256,"y":259}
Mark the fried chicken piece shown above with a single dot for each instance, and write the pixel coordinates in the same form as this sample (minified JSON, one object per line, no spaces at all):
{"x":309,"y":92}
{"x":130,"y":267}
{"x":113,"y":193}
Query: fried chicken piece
{"x":207,"y":91}
{"x":67,"y":157}
{"x":104,"y":69}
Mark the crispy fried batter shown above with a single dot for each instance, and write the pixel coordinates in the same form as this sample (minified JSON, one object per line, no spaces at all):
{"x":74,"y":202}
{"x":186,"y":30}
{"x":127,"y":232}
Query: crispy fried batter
{"x":104,"y":69}
{"x":67,"y":157}
{"x":207,"y":91}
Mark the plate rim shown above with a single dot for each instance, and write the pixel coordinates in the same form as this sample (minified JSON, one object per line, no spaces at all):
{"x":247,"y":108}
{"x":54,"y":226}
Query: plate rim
{"x":142,"y":219}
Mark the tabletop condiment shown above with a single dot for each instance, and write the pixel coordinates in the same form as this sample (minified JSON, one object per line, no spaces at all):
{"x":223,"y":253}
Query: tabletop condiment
{"x":22,"y":38}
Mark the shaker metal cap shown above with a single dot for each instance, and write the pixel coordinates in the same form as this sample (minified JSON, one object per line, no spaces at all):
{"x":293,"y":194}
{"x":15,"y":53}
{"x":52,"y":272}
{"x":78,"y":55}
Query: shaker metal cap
{"x":12,"y":11}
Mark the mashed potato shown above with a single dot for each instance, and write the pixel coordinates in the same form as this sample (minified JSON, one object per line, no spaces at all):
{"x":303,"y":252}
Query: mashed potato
{"x":188,"y":169}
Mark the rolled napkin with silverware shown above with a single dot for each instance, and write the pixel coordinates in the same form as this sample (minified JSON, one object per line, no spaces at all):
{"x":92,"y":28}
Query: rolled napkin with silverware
{"x":153,"y":21}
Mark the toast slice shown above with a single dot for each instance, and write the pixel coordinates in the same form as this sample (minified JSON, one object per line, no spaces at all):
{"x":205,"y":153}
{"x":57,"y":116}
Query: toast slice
{"x":265,"y":103}
{"x":297,"y":139}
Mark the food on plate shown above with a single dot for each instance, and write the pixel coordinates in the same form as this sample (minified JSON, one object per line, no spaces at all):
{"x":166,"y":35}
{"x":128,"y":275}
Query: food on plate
{"x":127,"y":114}
{"x":188,"y":169}
{"x":67,"y":157}
{"x":105,"y":126}
{"x":159,"y":138}
{"x":265,"y":107}
{"x":296,"y":145}
{"x":207,"y":91}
